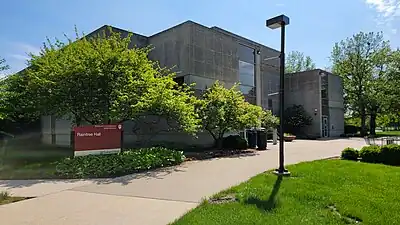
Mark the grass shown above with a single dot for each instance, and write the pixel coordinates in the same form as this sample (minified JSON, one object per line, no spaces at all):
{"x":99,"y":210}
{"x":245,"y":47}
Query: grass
{"x":319,"y":192}
{"x":6,"y":198}
{"x":388,"y":133}
{"x":23,"y":159}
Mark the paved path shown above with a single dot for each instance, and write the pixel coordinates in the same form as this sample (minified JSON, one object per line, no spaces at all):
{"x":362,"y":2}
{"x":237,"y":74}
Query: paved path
{"x":153,"y":197}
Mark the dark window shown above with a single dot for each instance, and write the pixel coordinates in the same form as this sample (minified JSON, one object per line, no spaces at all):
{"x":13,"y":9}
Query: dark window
{"x":270,"y":105}
{"x":324,"y":93}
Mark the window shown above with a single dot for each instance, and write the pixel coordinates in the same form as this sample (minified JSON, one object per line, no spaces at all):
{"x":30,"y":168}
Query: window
{"x":246,"y":54}
{"x":270,"y":104}
{"x":324,"y":94}
{"x":247,"y":72}
{"x":247,"y":90}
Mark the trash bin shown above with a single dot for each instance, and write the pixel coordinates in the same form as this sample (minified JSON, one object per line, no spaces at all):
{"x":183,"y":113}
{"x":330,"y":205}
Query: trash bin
{"x":261,"y":139}
{"x":251,"y":138}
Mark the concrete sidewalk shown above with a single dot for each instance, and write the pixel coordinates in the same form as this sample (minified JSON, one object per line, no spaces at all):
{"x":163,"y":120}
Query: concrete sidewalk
{"x":156,"y":197}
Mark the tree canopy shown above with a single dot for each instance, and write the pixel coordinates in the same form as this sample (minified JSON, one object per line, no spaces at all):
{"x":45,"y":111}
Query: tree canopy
{"x":297,"y":62}
{"x":361,"y":61}
{"x":3,"y":89}
{"x":224,"y":110}
{"x":296,"y":118}
{"x":100,"y":79}
{"x":3,"y":65}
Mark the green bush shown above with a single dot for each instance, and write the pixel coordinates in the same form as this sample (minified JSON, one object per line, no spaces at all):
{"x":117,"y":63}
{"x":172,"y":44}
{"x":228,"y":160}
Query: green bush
{"x":350,"y":154}
{"x":371,"y":154}
{"x":351,"y":129}
{"x":234,"y":142}
{"x":390,"y":154}
{"x":112,"y":165}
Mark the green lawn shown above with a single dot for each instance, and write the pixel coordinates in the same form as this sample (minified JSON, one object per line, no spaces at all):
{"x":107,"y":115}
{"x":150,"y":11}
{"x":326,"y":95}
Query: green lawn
{"x":27,"y":160}
{"x":388,"y":133}
{"x":319,"y":192}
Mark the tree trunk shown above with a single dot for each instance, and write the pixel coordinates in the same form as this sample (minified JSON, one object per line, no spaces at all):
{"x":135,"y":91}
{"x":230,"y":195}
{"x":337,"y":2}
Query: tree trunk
{"x":372,"y":123}
{"x":218,"y":143}
{"x":363,"y":115}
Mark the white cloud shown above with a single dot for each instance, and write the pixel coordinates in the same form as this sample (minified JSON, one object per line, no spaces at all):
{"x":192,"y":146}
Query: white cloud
{"x":26,"y":48}
{"x":19,"y":56}
{"x":388,"y":8}
{"x":388,"y":13}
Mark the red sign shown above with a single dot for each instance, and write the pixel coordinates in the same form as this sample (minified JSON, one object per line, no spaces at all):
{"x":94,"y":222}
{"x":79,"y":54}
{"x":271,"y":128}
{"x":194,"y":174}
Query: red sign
{"x":97,"y":139}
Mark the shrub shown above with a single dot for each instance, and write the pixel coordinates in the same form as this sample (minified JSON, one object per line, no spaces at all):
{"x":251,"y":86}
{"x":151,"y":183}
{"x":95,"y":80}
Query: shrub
{"x":4,"y":195}
{"x":127,"y":162}
{"x":350,"y":154}
{"x":234,"y":142}
{"x":351,"y":129}
{"x":296,"y":118}
{"x":370,"y":154}
{"x":390,"y":154}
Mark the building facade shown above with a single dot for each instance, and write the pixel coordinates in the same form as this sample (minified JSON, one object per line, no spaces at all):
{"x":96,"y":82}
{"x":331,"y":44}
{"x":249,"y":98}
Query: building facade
{"x":200,"y":55}
{"x":321,"y":95}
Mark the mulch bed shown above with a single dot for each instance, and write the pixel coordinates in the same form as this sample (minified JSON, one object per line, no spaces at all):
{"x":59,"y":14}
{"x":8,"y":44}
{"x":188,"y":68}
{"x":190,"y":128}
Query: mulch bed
{"x":190,"y":156}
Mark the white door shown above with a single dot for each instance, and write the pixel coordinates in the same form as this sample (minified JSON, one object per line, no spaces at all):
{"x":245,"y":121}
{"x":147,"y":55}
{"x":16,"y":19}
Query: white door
{"x":325,"y":126}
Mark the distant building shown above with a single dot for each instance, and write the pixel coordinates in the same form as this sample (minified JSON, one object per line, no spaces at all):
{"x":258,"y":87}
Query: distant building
{"x":321,"y":95}
{"x":202,"y":55}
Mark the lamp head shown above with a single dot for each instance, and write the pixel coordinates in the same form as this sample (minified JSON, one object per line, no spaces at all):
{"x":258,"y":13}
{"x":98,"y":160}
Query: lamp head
{"x":277,"y":21}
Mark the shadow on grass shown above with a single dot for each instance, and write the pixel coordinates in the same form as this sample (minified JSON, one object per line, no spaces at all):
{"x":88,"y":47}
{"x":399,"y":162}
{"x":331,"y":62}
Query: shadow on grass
{"x":219,"y":154}
{"x":271,"y":203}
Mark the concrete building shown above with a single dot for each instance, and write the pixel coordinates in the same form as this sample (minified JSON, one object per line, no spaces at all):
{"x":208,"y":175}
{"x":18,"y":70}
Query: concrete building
{"x":200,"y":55}
{"x":321,"y":95}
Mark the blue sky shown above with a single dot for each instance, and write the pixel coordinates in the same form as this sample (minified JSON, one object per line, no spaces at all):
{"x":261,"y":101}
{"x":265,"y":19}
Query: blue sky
{"x":315,"y":25}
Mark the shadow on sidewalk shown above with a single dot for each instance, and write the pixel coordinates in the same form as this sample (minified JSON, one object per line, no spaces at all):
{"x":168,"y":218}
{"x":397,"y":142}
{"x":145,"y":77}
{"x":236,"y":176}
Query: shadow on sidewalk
{"x":271,"y":203}
{"x":159,"y":173}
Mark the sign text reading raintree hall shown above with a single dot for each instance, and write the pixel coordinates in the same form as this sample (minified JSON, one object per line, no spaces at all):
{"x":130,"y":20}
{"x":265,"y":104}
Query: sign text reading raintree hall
{"x":97,"y":139}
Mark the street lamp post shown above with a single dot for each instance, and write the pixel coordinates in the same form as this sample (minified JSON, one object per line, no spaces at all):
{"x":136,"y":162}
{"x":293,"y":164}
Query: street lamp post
{"x":273,"y":23}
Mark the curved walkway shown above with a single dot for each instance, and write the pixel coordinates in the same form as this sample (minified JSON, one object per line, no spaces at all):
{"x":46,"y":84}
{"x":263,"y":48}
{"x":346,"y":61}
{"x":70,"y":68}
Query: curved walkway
{"x":157,"y":197}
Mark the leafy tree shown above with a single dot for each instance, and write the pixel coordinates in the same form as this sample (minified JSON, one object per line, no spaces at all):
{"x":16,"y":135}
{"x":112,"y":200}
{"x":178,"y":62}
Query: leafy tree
{"x":269,"y":120}
{"x":295,"y":118}
{"x":99,"y":80}
{"x":356,"y":60}
{"x":3,"y":65}
{"x":223,"y":110}
{"x":19,"y":102}
{"x":297,"y":62}
{"x":392,"y":89}
{"x":3,"y":90}
{"x":378,"y":88}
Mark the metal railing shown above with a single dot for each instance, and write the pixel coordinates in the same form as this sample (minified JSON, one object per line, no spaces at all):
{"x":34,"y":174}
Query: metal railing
{"x":382,"y":140}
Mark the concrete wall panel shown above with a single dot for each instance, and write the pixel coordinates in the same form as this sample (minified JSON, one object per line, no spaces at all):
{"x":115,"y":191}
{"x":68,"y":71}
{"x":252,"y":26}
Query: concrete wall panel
{"x":305,"y":92}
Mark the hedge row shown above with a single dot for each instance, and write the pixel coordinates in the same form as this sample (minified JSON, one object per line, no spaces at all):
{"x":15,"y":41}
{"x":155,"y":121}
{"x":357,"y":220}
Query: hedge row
{"x":127,"y":162}
{"x":388,"y":154}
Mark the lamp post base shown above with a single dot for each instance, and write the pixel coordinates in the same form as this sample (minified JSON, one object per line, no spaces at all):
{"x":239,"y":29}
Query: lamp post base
{"x":285,"y":172}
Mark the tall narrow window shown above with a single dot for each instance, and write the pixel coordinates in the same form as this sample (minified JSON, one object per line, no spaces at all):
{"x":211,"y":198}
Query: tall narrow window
{"x":270,"y":105}
{"x":246,"y":72}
